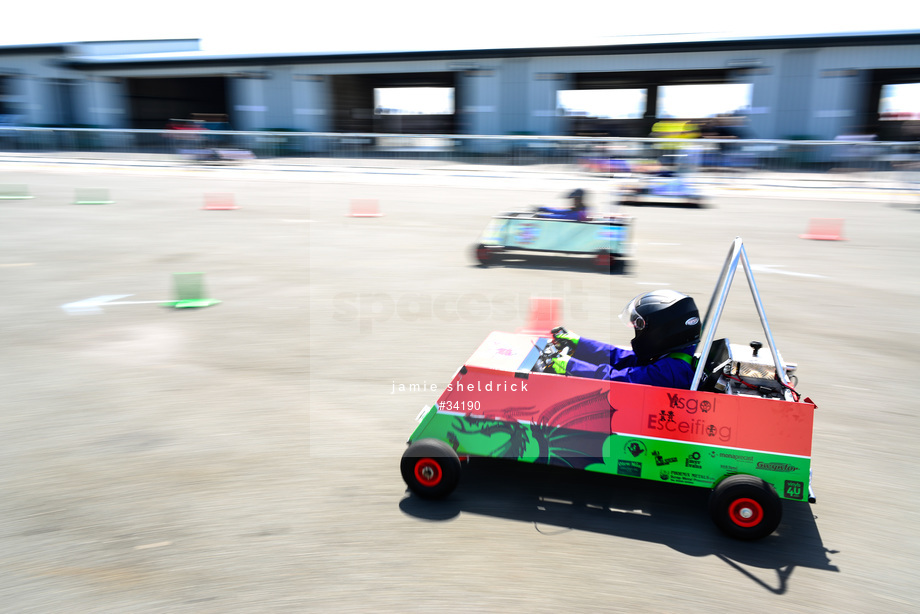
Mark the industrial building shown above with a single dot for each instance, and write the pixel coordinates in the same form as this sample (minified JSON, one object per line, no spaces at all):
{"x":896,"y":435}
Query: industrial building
{"x":817,"y":87}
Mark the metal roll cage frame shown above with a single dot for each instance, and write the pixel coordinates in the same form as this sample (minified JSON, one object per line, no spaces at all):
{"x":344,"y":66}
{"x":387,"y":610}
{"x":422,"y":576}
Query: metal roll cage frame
{"x":736,"y":254}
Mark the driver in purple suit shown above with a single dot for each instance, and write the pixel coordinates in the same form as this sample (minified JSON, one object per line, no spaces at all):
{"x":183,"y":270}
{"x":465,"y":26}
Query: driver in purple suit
{"x":578,"y":211}
{"x":667,"y":326}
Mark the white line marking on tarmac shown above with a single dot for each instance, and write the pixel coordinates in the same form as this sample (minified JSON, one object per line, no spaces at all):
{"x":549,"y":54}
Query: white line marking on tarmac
{"x":155,"y":545}
{"x":95,"y":304}
{"x":771,"y":268}
{"x":91,"y":305}
{"x":636,"y":512}
{"x":136,"y":302}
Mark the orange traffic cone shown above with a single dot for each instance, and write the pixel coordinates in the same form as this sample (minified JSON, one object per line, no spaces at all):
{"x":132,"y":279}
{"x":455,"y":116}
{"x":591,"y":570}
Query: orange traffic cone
{"x":219,"y":202}
{"x":364,"y":207}
{"x":824,"y":229}
{"x":545,"y":313}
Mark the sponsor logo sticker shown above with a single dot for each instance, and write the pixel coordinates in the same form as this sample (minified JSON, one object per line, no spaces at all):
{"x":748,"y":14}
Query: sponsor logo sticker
{"x":527,"y":233}
{"x":780,"y":467}
{"x":630,"y":468}
{"x":610,"y":234}
{"x":635,"y":448}
{"x":794,"y":490}
{"x":662,"y":461}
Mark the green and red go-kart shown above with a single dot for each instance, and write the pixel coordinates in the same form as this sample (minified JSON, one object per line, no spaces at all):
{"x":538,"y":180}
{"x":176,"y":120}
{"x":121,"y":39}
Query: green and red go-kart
{"x":607,"y":238}
{"x":741,"y":429}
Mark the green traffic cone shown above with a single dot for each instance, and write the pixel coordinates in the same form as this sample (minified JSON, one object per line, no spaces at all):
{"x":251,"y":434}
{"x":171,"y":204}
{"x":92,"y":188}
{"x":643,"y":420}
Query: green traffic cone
{"x":92,"y":196}
{"x":14,"y":192}
{"x":189,"y":288}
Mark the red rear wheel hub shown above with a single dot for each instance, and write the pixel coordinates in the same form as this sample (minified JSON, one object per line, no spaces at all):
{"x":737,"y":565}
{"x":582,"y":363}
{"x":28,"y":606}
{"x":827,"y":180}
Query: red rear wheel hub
{"x":745,"y":512}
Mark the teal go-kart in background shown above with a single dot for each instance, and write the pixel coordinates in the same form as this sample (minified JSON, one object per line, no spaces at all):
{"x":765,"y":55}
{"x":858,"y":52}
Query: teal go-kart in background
{"x":607,"y":238}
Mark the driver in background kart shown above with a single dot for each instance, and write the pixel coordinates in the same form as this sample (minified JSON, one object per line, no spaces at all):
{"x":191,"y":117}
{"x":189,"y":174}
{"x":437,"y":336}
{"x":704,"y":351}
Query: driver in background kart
{"x":667,"y":325}
{"x":578,"y":211}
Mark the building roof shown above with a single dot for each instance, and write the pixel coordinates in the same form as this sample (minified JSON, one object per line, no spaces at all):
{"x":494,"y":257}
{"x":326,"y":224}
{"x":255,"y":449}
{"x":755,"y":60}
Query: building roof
{"x":76,"y":56}
{"x":629,"y":46}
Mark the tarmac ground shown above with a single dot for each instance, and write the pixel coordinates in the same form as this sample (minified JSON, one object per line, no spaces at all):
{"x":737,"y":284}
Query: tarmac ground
{"x":244,"y":457}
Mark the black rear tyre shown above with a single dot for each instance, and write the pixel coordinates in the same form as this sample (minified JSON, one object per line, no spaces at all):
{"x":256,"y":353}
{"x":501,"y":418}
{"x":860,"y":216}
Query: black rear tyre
{"x":485,"y":254}
{"x":431,"y":468}
{"x":605,"y":262}
{"x":745,"y":507}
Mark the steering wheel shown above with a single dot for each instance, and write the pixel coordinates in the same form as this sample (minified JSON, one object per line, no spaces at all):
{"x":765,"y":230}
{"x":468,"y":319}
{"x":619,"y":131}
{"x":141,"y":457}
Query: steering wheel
{"x":544,"y":362}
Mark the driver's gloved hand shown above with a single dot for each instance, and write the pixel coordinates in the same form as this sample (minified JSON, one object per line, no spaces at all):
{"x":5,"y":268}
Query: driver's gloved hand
{"x":560,"y":363}
{"x":563,"y":338}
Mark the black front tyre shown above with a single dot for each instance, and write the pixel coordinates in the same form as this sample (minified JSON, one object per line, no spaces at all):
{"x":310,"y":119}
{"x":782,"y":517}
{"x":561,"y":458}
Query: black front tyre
{"x":745,"y":507}
{"x":431,"y":468}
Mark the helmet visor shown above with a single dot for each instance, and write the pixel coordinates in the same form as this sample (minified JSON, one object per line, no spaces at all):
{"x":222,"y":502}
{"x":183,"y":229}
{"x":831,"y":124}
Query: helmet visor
{"x":630,"y":317}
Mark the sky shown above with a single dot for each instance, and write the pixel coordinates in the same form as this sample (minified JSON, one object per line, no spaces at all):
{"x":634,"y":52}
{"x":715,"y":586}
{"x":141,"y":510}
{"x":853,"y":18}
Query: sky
{"x":270,"y":26}
{"x":674,"y":101}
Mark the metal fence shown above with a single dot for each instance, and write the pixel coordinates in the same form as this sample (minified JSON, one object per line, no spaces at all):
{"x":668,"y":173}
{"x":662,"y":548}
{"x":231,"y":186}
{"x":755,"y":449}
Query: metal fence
{"x":595,"y":154}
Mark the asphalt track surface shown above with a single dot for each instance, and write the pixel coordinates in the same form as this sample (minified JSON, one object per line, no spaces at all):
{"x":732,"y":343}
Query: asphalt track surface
{"x":244,"y":457}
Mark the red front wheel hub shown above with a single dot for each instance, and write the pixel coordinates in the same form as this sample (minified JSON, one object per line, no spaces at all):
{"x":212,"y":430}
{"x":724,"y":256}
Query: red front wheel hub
{"x":428,"y":472}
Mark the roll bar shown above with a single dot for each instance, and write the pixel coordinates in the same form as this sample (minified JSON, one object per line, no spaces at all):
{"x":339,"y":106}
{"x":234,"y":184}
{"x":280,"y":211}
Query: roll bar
{"x":736,"y":254}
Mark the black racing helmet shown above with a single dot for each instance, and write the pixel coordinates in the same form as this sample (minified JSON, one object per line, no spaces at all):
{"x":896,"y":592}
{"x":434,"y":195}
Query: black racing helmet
{"x":578,"y":195}
{"x":664,"y":321}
